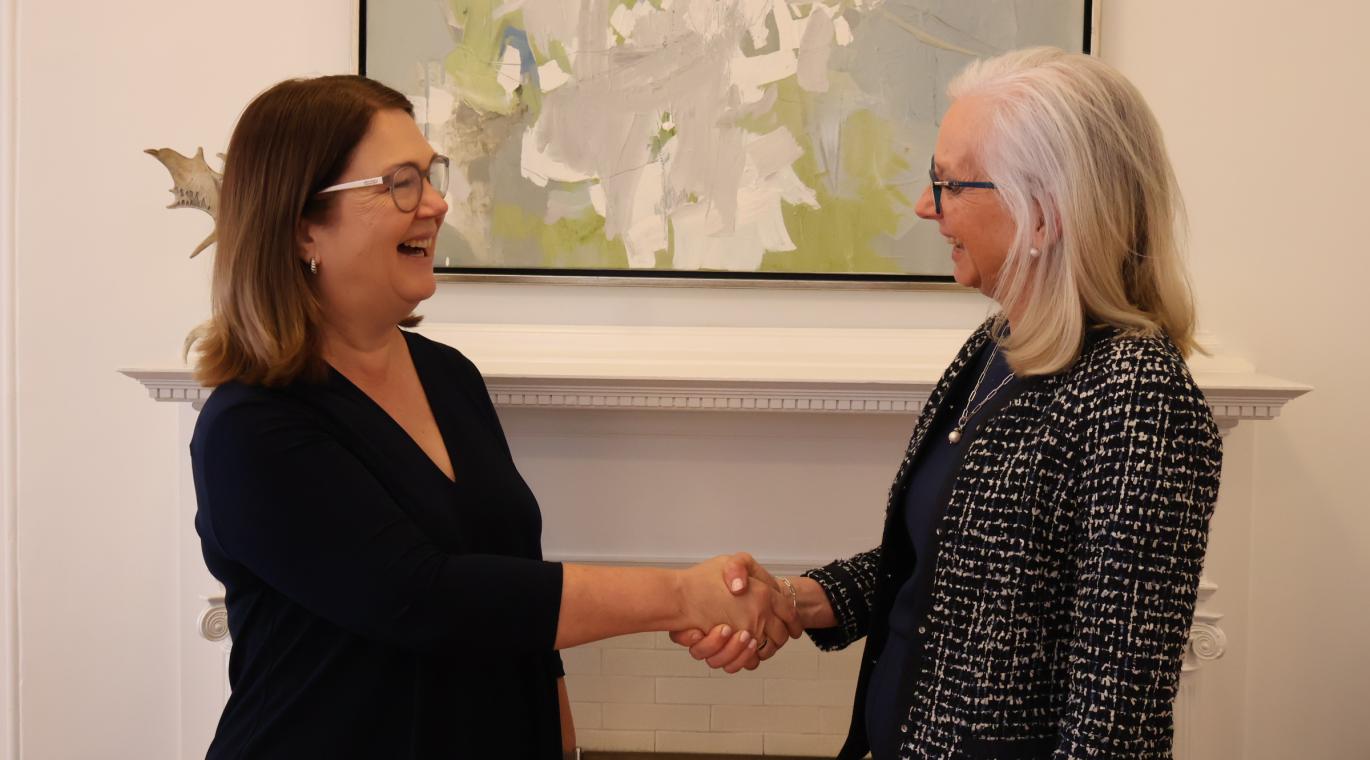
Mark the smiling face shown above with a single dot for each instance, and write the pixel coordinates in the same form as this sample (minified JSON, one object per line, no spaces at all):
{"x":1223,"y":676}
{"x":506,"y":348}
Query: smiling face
{"x":973,"y":220}
{"x":375,"y":262}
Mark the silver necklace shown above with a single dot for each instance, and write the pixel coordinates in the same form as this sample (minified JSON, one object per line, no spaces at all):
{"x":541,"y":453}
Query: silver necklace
{"x":954,"y":437}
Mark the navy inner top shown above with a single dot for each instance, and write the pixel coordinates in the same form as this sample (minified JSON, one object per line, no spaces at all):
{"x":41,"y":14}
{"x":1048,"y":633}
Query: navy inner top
{"x":924,"y":502}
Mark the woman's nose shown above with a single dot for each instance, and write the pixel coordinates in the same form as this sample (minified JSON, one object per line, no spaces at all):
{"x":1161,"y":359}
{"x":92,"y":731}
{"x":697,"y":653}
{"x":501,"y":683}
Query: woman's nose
{"x":432,"y":202}
{"x":925,"y":207}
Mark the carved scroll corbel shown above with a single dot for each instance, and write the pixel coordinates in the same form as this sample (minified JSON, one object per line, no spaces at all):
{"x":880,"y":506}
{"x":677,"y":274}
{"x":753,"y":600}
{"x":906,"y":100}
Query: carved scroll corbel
{"x":213,"y":621}
{"x":1207,"y":641}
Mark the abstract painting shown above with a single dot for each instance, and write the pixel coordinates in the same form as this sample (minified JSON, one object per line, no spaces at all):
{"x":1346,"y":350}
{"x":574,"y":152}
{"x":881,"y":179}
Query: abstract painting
{"x":754,"y":138}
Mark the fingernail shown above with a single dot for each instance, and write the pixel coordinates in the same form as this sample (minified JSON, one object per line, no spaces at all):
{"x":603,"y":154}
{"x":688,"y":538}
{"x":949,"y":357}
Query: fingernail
{"x":737,"y":584}
{"x":726,"y":631}
{"x":695,"y":637}
{"x":744,"y":636}
{"x":752,"y":645}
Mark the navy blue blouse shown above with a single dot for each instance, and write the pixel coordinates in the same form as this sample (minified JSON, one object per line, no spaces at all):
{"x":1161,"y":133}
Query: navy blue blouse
{"x":924,"y":501}
{"x":377,"y":608}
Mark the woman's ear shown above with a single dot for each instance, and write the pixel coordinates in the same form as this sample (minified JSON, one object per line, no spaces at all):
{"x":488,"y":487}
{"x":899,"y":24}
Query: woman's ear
{"x":305,"y":246}
{"x":1041,"y":238}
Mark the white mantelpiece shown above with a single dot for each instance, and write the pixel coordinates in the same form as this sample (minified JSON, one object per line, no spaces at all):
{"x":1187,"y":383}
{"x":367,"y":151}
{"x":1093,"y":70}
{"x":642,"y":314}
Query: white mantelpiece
{"x":869,"y":371}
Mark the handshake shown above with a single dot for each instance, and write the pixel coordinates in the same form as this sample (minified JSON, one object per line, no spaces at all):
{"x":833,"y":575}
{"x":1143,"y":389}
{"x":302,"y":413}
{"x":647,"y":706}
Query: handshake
{"x":759,"y":612}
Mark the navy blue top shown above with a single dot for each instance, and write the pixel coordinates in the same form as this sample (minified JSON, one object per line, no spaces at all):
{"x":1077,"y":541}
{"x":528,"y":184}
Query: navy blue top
{"x":377,"y":608}
{"x":929,"y":482}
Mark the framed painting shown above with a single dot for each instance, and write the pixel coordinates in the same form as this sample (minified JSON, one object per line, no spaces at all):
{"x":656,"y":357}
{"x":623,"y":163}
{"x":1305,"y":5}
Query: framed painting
{"x":693,"y":141}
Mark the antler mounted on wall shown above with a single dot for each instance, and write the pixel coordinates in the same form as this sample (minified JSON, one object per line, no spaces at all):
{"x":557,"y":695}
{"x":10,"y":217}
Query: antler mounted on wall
{"x":194,"y":184}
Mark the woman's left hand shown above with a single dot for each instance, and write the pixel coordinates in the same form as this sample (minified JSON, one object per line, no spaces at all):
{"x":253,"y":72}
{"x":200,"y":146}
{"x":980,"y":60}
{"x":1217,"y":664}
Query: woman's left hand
{"x":723,"y":649}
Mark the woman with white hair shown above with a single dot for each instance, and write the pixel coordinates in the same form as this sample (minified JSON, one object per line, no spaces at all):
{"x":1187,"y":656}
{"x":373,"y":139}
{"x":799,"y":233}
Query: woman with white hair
{"x":1033,"y":590}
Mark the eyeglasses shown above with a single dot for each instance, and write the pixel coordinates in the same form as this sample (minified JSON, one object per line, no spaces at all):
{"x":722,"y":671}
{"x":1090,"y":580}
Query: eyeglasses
{"x":951,"y":184}
{"x":405,"y":183}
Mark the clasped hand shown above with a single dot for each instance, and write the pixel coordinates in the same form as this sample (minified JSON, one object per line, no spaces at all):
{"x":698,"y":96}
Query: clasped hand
{"x":758,"y":615}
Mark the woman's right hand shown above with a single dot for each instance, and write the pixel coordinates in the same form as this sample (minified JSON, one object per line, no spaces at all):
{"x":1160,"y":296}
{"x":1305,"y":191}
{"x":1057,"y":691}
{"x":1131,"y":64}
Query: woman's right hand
{"x":758,"y":617}
{"x":724,"y":648}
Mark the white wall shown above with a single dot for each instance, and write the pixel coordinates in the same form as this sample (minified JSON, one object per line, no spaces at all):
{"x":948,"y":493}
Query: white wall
{"x":1266,"y":107}
{"x":103,"y":283}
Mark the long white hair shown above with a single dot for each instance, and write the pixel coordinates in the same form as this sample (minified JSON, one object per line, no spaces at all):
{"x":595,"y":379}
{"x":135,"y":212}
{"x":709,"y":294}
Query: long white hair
{"x":1073,"y":147}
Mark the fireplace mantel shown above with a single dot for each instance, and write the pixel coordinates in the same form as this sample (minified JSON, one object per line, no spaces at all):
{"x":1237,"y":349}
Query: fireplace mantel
{"x":752,"y":369}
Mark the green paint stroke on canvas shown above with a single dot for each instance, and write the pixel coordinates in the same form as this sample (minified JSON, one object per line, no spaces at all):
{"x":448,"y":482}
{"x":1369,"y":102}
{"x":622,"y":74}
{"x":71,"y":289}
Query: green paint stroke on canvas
{"x":557,"y":50}
{"x":474,"y":64}
{"x":568,"y":243}
{"x":837,"y":236}
{"x":662,"y":136}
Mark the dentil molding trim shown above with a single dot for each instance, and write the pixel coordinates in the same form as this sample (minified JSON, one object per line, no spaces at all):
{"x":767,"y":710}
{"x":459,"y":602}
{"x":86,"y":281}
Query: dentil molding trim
{"x":740,"y":369}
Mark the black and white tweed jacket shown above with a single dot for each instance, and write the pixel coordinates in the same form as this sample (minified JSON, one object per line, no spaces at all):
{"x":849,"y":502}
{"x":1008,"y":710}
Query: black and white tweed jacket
{"x":1068,"y":562}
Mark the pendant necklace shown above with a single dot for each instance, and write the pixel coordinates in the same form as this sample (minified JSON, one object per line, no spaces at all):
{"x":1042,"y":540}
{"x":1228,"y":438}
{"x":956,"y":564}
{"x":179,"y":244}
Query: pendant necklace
{"x":954,"y":437}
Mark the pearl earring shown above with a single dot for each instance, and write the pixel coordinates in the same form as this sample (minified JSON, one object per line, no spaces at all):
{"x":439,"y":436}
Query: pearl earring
{"x":1034,"y":253}
{"x":313,"y":266}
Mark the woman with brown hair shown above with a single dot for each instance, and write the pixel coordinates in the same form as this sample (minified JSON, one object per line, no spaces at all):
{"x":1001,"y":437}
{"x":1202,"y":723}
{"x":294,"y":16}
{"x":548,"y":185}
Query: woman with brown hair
{"x":381,"y":555}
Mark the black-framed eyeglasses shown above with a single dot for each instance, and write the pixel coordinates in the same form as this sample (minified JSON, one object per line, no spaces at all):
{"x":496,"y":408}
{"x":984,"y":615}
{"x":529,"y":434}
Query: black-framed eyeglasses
{"x":405,"y":183}
{"x":952,"y":184}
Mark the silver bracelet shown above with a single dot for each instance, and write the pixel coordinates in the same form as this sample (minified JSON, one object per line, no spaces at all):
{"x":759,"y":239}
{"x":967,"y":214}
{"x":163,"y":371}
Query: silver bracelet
{"x":794,"y":595}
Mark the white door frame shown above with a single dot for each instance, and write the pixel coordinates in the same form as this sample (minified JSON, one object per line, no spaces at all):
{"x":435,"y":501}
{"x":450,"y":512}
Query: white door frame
{"x":9,"y":375}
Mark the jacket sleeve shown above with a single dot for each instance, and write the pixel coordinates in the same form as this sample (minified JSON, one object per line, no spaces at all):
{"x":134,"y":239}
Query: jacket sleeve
{"x":850,"y":586}
{"x":283,"y":499}
{"x":1148,"y":484}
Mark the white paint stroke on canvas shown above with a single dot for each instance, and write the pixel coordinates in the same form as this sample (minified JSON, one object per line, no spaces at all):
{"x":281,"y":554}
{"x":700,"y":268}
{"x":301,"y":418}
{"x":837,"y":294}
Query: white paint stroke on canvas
{"x":656,"y":115}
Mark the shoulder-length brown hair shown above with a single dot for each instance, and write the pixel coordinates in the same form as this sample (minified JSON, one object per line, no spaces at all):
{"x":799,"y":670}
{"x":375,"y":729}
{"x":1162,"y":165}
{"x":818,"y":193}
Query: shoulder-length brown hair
{"x":291,"y":141}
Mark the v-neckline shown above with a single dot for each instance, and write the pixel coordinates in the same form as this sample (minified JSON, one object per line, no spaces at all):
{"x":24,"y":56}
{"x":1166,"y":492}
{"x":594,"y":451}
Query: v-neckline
{"x":395,"y":424}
